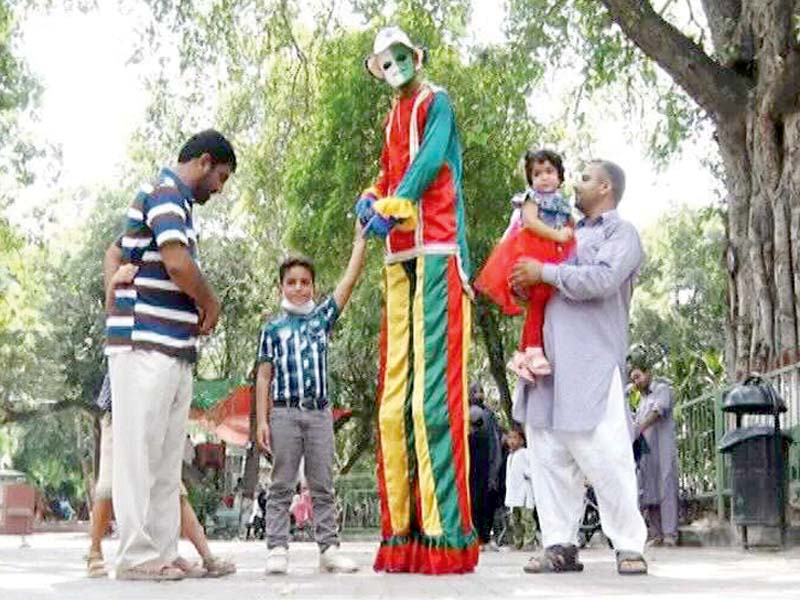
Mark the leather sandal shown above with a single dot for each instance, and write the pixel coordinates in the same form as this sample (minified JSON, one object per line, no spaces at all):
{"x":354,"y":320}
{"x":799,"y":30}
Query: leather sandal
{"x":555,"y":559}
{"x":631,"y":563}
{"x":151,"y":571}
{"x":95,"y":565}
{"x":190,"y":570}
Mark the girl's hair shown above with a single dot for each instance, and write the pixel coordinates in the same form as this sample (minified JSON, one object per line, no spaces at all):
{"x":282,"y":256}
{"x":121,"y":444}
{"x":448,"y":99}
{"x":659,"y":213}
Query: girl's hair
{"x":533,"y":157}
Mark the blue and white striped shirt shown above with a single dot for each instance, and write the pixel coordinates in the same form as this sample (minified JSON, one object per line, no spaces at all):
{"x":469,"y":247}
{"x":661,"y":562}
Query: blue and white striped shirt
{"x":153,"y":313}
{"x":297,"y":347}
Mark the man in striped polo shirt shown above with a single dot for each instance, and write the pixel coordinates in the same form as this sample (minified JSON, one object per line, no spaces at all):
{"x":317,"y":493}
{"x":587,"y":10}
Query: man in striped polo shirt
{"x":152,"y":329}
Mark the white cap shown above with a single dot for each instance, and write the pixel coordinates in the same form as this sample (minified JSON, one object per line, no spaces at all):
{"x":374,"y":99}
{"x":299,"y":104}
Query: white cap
{"x":386,"y":38}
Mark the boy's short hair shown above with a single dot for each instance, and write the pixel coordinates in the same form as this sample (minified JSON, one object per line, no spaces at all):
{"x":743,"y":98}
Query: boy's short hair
{"x":210,"y":142}
{"x":533,"y":157}
{"x":296,"y":260}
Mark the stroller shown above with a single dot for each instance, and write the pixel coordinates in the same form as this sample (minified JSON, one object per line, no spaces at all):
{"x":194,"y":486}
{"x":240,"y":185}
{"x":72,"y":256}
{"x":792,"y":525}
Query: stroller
{"x":590,"y":522}
{"x":257,"y":524}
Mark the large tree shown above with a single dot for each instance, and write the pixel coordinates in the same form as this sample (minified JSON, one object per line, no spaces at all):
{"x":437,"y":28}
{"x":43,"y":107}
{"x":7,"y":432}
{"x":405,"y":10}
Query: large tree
{"x":749,"y":88}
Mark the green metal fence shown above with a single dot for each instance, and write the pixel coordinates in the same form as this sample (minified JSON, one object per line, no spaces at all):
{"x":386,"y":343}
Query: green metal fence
{"x":702,"y":471}
{"x":359,"y":507}
{"x":700,"y":423}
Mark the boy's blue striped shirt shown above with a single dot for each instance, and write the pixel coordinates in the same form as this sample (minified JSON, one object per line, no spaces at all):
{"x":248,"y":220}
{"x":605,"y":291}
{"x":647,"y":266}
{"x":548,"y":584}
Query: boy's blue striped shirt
{"x":297,"y":348}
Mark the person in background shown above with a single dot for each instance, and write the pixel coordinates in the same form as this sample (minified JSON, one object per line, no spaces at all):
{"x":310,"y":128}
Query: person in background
{"x":486,"y":462}
{"x":658,"y":468}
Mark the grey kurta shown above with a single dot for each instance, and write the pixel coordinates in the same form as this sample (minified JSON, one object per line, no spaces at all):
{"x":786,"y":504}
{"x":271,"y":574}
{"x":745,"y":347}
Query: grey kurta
{"x":585,"y":327}
{"x":659,"y":467}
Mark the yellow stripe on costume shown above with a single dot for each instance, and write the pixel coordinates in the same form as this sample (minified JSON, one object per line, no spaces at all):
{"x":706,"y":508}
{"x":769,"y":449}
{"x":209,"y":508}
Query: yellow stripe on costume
{"x":402,"y":209}
{"x":431,"y":522}
{"x":466,"y":312}
{"x":391,"y":415}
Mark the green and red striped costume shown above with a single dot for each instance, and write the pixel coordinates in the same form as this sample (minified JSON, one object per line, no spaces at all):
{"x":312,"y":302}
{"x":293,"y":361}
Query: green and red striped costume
{"x":423,"y":456}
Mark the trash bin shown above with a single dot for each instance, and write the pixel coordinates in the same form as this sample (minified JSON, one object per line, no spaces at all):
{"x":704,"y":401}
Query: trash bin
{"x":17,"y":503}
{"x":759,"y":454}
{"x":210,"y":456}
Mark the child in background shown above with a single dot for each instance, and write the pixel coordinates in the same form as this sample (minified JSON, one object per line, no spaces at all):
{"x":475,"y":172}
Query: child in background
{"x":540,"y":227}
{"x":519,"y":490}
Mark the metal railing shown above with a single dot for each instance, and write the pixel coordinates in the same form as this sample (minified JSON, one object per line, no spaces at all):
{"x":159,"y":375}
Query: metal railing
{"x":700,"y":424}
{"x":359,"y":507}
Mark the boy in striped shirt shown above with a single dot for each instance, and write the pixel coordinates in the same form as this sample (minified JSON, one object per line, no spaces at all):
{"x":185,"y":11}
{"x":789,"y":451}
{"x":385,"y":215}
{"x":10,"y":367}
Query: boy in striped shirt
{"x":294,"y":418}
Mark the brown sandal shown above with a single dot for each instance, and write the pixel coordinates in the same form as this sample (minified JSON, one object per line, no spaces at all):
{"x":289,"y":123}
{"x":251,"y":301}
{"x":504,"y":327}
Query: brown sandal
{"x":631,"y":563}
{"x":555,"y":559}
{"x":218,"y":567}
{"x":190,"y":570}
{"x":151,"y":571}
{"x":95,"y":565}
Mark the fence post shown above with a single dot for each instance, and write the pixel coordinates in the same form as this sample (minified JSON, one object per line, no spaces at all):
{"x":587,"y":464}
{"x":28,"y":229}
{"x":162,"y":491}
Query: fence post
{"x":719,"y":460}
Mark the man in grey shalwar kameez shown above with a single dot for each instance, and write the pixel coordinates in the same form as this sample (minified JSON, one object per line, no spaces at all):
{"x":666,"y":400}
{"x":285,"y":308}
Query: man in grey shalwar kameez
{"x":658,"y":468}
{"x":576,"y":419}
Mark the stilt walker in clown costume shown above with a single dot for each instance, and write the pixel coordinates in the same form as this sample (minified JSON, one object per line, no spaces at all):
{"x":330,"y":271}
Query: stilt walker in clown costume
{"x":418,"y":205}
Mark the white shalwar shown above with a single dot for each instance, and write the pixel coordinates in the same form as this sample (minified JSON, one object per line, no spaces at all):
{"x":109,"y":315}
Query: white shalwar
{"x":519,"y":482}
{"x":603,"y":455}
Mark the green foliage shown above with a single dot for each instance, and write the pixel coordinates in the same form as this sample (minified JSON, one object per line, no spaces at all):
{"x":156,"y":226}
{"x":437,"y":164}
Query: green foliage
{"x":205,"y":496}
{"x":49,"y":452}
{"x":679,"y":305}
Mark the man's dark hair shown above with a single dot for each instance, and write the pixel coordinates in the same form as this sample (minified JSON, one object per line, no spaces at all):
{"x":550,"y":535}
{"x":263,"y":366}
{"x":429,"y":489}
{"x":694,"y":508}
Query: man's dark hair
{"x":616,"y":176}
{"x":210,"y":142}
{"x":535,"y":157}
{"x":296,"y":261}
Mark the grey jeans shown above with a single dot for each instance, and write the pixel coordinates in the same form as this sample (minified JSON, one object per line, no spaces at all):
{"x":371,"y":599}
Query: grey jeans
{"x":296,"y":433}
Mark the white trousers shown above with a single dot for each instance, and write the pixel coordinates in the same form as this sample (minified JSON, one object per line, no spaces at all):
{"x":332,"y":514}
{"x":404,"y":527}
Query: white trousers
{"x":604,"y":456}
{"x":151,"y":395}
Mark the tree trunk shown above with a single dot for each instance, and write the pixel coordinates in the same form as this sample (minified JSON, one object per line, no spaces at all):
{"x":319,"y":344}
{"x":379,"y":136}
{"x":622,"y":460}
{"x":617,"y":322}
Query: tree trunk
{"x":252,"y":459}
{"x":751,"y":92}
{"x":761,"y":153}
{"x":493,"y":341}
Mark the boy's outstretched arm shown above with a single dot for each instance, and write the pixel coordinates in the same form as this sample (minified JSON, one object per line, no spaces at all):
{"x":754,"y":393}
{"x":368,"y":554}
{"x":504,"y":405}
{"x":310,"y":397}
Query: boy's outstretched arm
{"x":263,"y":405}
{"x":342,"y":292}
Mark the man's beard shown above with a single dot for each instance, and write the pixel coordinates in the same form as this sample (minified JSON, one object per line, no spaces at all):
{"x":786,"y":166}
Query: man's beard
{"x":579,"y":204}
{"x":201,"y":194}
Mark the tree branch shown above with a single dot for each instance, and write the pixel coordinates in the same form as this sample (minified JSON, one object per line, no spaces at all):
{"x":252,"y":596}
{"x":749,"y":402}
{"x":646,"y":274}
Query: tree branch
{"x":719,"y":91}
{"x":9,"y":415}
{"x":723,"y":18}
{"x":361,"y":447}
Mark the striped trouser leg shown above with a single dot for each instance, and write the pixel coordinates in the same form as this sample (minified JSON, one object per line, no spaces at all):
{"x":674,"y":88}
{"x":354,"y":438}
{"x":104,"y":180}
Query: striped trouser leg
{"x":394,"y":478}
{"x":432,"y":533}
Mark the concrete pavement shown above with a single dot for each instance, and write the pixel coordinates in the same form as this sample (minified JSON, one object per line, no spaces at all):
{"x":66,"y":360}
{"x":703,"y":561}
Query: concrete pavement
{"x":53,"y":568}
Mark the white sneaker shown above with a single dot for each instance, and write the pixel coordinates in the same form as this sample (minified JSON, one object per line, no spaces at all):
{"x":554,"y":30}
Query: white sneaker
{"x":277,"y":561}
{"x":332,"y":561}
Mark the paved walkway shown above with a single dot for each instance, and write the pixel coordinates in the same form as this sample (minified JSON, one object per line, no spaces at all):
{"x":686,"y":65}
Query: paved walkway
{"x":52,"y":567}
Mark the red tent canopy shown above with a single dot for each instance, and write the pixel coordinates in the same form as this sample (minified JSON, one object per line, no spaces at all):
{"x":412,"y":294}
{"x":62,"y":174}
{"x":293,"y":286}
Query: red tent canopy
{"x":230,"y":419}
